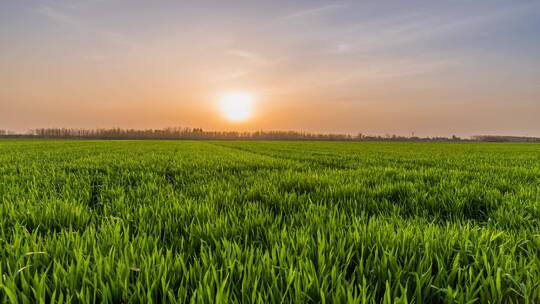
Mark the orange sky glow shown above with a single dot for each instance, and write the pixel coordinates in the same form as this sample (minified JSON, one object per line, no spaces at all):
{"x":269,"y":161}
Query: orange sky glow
{"x":341,"y":66}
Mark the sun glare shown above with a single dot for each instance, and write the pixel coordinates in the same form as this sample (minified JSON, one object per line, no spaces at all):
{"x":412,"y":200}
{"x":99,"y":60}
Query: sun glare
{"x":237,"y":106}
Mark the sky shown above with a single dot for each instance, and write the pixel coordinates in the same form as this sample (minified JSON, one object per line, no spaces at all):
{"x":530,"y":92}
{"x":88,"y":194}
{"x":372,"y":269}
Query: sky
{"x":432,"y":68}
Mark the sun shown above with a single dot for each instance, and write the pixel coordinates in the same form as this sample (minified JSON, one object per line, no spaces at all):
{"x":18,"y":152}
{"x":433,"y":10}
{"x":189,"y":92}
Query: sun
{"x":237,"y":106}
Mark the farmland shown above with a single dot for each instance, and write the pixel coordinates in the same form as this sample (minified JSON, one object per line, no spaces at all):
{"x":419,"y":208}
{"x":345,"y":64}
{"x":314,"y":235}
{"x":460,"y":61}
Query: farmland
{"x":269,"y":222}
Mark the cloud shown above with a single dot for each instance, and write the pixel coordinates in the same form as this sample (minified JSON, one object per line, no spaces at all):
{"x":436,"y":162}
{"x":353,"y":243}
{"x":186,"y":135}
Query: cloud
{"x":399,"y":30}
{"x":409,"y":67}
{"x":341,"y":48}
{"x":251,"y":57}
{"x":60,"y":16}
{"x":219,"y":76}
{"x":57,"y":16}
{"x":313,"y":12}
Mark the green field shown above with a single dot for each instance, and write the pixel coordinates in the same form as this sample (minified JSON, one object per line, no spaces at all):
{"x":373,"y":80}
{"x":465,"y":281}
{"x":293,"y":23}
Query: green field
{"x":269,"y":222}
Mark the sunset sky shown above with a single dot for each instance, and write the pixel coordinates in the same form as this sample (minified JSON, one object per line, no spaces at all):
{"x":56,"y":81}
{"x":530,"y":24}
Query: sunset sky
{"x":376,"y":67}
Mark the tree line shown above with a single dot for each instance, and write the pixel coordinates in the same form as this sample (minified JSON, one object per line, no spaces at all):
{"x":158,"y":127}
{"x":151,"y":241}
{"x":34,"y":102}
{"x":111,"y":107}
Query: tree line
{"x":499,"y":138}
{"x":180,"y":133}
{"x":199,"y":133}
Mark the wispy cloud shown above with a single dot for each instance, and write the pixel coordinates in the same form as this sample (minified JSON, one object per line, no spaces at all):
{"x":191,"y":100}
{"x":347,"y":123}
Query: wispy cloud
{"x":252,"y":57}
{"x":56,"y":14}
{"x":216,"y":76}
{"x":408,"y":67}
{"x":341,"y":48}
{"x":399,"y":30}
{"x":311,"y":12}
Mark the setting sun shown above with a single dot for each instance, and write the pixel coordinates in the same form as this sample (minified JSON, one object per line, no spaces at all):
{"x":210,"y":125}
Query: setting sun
{"x":236,"y":106}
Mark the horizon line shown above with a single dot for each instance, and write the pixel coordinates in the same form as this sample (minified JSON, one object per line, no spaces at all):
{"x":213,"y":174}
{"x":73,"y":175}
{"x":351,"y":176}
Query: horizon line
{"x":359,"y":134}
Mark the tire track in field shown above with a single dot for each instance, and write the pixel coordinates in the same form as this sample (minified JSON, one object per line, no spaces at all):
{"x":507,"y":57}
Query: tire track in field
{"x":302,"y":161}
{"x":247,"y":151}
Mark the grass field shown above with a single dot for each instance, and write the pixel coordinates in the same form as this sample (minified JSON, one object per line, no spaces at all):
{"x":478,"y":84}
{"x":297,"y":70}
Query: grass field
{"x":269,"y":222}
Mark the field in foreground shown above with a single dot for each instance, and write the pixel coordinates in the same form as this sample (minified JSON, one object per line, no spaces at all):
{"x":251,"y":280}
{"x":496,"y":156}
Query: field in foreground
{"x":288,"y":222}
